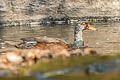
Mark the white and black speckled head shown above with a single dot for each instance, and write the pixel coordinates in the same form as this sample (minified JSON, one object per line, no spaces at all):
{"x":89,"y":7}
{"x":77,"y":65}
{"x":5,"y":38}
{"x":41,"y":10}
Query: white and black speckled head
{"x":78,"y":31}
{"x":82,"y":25}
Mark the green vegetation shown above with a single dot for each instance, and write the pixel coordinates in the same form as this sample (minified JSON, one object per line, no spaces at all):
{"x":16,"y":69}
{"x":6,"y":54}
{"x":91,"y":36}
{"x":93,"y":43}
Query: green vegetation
{"x":51,"y":66}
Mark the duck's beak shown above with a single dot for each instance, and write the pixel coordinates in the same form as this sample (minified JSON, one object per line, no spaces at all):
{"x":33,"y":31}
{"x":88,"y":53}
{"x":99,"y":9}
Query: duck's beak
{"x":91,"y":28}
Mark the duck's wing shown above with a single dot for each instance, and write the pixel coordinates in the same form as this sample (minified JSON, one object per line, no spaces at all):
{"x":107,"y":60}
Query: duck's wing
{"x":49,"y":39}
{"x":61,"y":40}
{"x":45,"y":39}
{"x":28,"y":39}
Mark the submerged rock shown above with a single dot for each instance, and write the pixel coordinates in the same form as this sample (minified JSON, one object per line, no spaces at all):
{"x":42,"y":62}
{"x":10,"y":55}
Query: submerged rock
{"x":89,"y":51}
{"x":34,"y":53}
{"x":32,"y":50}
{"x":98,"y":68}
{"x":76,"y":52}
{"x":14,"y":57}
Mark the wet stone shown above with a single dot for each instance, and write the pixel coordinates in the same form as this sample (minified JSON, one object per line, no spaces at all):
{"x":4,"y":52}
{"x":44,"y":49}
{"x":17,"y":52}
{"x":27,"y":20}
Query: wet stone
{"x":99,"y":68}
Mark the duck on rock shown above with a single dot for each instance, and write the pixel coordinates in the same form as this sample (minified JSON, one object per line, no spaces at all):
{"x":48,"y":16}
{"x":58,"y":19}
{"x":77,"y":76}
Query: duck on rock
{"x":56,"y":45}
{"x":41,"y":48}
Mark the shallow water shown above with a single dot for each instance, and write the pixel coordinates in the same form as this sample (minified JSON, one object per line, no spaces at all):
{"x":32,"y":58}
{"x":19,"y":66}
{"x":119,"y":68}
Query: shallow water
{"x":106,"y":39}
{"x":97,"y":68}
{"x":15,"y":33}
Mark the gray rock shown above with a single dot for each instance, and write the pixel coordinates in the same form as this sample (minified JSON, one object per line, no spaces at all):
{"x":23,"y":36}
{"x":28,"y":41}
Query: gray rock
{"x":3,"y":6}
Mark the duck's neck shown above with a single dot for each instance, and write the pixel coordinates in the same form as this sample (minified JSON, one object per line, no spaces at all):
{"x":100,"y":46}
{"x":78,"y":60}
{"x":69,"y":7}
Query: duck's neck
{"x":78,"y":37}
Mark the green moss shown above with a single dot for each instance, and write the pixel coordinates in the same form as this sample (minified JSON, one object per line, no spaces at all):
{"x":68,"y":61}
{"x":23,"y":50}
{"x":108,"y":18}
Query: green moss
{"x":66,"y":63}
{"x":59,"y":63}
{"x":82,"y":76}
{"x":17,"y":78}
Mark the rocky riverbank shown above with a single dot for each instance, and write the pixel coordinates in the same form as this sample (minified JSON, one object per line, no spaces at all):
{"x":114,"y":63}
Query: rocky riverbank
{"x":15,"y":10}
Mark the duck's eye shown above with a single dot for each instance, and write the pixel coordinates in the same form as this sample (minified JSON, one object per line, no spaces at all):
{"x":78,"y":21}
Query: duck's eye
{"x":83,"y":23}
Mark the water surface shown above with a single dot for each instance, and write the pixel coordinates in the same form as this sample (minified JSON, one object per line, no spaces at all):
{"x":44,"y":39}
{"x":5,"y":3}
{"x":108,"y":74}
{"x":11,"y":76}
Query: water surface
{"x":105,"y":40}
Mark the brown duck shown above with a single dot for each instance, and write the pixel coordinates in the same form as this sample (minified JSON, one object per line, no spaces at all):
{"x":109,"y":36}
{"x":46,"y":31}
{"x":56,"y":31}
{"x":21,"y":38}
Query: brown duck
{"x":55,"y":45}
